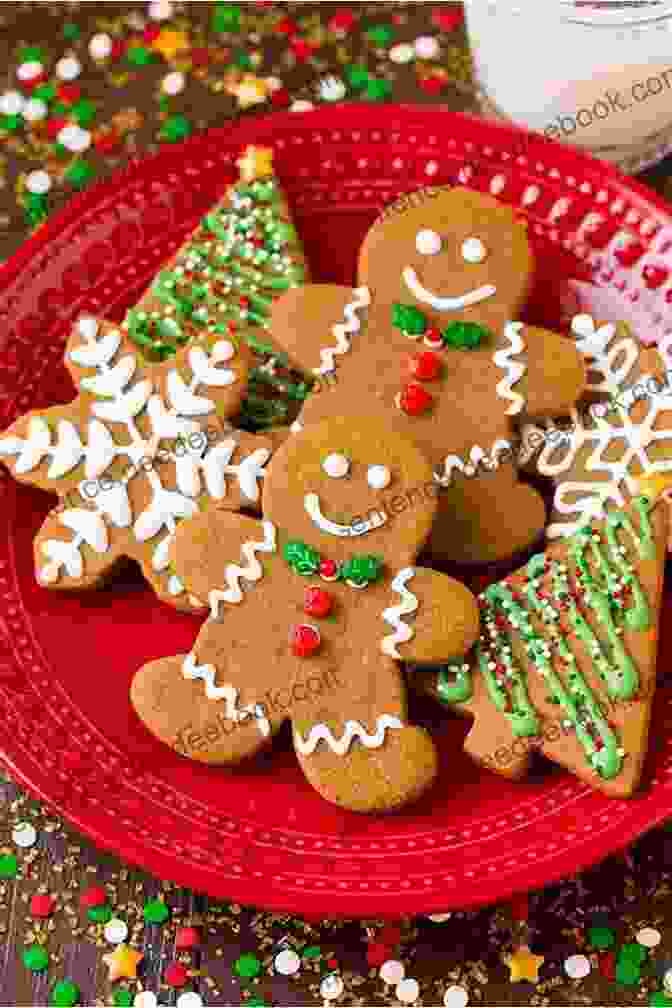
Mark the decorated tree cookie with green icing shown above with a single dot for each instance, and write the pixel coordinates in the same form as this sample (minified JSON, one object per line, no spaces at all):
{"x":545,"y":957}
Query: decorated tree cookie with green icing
{"x":566,"y":661}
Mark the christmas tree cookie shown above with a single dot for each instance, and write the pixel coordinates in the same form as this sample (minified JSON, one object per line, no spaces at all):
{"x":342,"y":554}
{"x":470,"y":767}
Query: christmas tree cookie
{"x":224,"y":279}
{"x":566,"y":661}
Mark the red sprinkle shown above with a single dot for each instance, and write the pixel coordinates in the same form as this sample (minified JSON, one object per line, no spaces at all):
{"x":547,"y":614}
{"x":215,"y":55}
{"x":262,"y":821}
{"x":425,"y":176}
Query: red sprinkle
{"x":414,"y":400}
{"x":118,"y":49}
{"x":607,"y":965}
{"x":107,"y":141}
{"x":93,"y":896}
{"x":305,"y":640}
{"x":448,"y":19}
{"x":150,"y":33}
{"x":281,"y":98}
{"x":200,"y":56}
{"x":332,"y":964}
{"x":69,"y":93}
{"x":342,"y":21}
{"x":42,"y":905}
{"x":318,"y":602}
{"x":54,"y":127}
{"x":425,"y":366}
{"x":287,"y":27}
{"x":390,"y":935}
{"x":176,"y":975}
{"x":629,"y":254}
{"x":187,"y":938}
{"x":655,"y":276}
{"x":301,"y":49}
{"x":432,"y":85}
{"x":377,"y":953}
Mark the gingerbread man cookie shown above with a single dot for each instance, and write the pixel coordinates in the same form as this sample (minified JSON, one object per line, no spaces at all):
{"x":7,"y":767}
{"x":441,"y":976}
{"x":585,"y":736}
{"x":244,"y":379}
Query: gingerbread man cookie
{"x":311,"y":612}
{"x":142,"y":447}
{"x":566,"y":661}
{"x":428,"y":338}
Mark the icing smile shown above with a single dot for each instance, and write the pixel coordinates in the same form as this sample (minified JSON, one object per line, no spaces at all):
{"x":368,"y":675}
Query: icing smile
{"x":421,"y":293}
{"x":359,"y":528}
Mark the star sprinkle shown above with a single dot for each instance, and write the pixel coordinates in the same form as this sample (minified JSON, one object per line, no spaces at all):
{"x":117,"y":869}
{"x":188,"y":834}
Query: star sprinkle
{"x":249,"y":91}
{"x":255,"y":163}
{"x":170,"y":42}
{"x":123,"y":962}
{"x":524,"y":965}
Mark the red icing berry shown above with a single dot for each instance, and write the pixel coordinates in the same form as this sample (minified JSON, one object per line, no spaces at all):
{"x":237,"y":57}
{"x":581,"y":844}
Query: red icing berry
{"x":342,"y":21}
{"x":318,"y":602}
{"x":42,"y":905}
{"x":305,"y":640}
{"x":425,"y":366}
{"x":433,"y":338}
{"x":432,"y":85}
{"x":69,"y":92}
{"x":54,"y":127}
{"x":328,"y":570}
{"x":390,"y":935}
{"x":281,"y":98}
{"x":176,"y":975}
{"x":414,"y":400}
{"x":377,"y":953}
{"x":94,"y":896}
{"x":655,"y":276}
{"x":187,"y":938}
{"x":628,"y":254}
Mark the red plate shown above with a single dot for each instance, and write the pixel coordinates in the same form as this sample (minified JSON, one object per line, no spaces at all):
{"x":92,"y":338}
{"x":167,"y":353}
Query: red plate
{"x":262,"y":836}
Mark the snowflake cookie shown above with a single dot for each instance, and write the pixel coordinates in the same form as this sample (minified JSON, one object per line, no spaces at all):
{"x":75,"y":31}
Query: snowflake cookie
{"x":141,"y":448}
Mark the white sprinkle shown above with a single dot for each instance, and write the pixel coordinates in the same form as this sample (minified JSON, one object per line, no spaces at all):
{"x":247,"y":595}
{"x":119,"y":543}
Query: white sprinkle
{"x":401,"y":53}
{"x":441,"y":918}
{"x":28,"y":71}
{"x":74,"y":138}
{"x":116,"y":931}
{"x":35,"y":109}
{"x":426,"y":47}
{"x":38,"y":182}
{"x":392,"y":972}
{"x":189,"y":1000}
{"x":11,"y":103}
{"x":160,"y":10}
{"x":68,"y":68}
{"x":24,"y":835}
{"x":332,"y":987}
{"x":407,"y":991}
{"x":332,"y":89}
{"x":577,"y":967}
{"x":300,"y":105}
{"x":287,"y":962}
{"x":173,"y":83}
{"x":145,"y":999}
{"x":456,"y":997}
{"x":648,"y":937}
{"x":100,"y":46}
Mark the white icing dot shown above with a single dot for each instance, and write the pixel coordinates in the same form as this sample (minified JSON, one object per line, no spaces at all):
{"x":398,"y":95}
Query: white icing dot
{"x":392,"y":972}
{"x":145,"y":999}
{"x":100,"y":46}
{"x":332,"y":987}
{"x":577,"y":967}
{"x":456,"y":997}
{"x":173,"y":83}
{"x":332,"y":89}
{"x":35,"y":109}
{"x":68,"y":68}
{"x":378,"y":477}
{"x":336,"y":466}
{"x":648,"y":937}
{"x":116,"y":931}
{"x":74,"y":138}
{"x":11,"y":103}
{"x":29,"y":71}
{"x":401,"y":53}
{"x":38,"y":182}
{"x":426,"y":47}
{"x":667,"y":980}
{"x":407,"y":991}
{"x":189,"y":1000}
{"x":473,"y":250}
{"x":223,"y":350}
{"x":287,"y":962}
{"x":24,"y":835}
{"x":428,"y":242}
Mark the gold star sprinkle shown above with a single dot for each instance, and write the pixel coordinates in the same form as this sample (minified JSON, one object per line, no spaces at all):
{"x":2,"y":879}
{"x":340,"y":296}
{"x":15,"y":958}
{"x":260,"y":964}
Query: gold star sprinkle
{"x":123,"y":962}
{"x":170,"y":42}
{"x":655,"y":485}
{"x":524,"y":965}
{"x":255,"y":163}
{"x":249,"y":90}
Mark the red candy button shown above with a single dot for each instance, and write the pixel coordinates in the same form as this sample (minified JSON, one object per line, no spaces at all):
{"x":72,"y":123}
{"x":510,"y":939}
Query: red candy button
{"x":187,"y":938}
{"x":42,"y":905}
{"x":318,"y":602}
{"x":414,"y":400}
{"x":176,"y":975}
{"x":425,"y":366}
{"x":328,"y":570}
{"x":93,"y":896}
{"x":377,"y":953}
{"x":305,"y":640}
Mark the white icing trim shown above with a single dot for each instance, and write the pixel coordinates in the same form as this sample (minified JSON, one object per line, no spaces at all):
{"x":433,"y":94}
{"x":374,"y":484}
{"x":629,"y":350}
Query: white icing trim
{"x":343,"y":330}
{"x":477,"y":458}
{"x":421,"y":293}
{"x":228,"y":693}
{"x":353,"y":730}
{"x":394,"y":615}
{"x":252,"y":571}
{"x":514,"y":369}
{"x":313,"y":509}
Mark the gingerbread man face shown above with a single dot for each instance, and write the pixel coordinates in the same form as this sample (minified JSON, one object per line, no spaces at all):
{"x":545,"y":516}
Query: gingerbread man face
{"x":311,"y":609}
{"x":429,"y":339}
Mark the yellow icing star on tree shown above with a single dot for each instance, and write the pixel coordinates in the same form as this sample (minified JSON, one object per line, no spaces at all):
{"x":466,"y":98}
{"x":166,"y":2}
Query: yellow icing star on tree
{"x":655,"y":485}
{"x":122,"y":963}
{"x":249,"y":90}
{"x":255,"y":163}
{"x":524,"y":965}
{"x":170,"y":42}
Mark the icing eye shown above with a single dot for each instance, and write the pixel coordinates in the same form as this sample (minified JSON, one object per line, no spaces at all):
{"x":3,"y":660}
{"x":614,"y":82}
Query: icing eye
{"x":428,"y":242}
{"x":378,"y":477}
{"x":336,"y":466}
{"x":474,"y":251}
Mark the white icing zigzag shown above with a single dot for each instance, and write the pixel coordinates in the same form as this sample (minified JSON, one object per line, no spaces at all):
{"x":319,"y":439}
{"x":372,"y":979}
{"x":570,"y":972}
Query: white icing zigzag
{"x":252,"y":571}
{"x":353,"y":730}
{"x":394,"y":615}
{"x":514,"y":369}
{"x":477,"y":458}
{"x":191,"y":670}
{"x":343,"y":330}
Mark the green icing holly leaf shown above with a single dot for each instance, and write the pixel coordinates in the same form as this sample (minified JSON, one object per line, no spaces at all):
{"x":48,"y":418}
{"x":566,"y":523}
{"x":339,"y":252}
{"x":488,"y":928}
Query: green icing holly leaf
{"x":464,"y":335}
{"x":301,"y":558}
{"x":362,"y":570}
{"x":409,"y":319}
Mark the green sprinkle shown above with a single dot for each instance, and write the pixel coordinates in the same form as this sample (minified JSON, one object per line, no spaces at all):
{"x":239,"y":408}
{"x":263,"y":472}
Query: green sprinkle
{"x":225,"y":18}
{"x":247,"y":966}
{"x":79,"y":174}
{"x":601,"y":937}
{"x":84,"y":111}
{"x":10,"y":122}
{"x":30,"y":54}
{"x":156,"y":912}
{"x":35,"y":958}
{"x":378,"y":89}
{"x":358,"y":76}
{"x":242,"y":59}
{"x":59,"y":110}
{"x":45,"y":92}
{"x":140,"y":55}
{"x":71,"y":32}
{"x":123,"y":999}
{"x":100,"y":914}
{"x":9,"y":866}
{"x":659,"y":1000}
{"x":380,"y":35}
{"x":633,"y":953}
{"x":255,"y":1002}
{"x":312,"y":952}
{"x":176,"y":128}
{"x":65,"y":994}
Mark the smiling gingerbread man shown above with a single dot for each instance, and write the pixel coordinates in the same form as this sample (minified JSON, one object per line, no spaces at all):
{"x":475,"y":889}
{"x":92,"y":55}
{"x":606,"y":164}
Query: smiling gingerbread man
{"x":427,"y":338}
{"x":312,"y":610}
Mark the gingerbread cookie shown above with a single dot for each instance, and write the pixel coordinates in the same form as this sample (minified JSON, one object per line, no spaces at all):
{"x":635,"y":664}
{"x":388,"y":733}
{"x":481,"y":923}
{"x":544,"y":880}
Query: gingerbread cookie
{"x":311,"y":612}
{"x":427,"y":338}
{"x":142,"y":447}
{"x":624,"y":432}
{"x":566,"y":661}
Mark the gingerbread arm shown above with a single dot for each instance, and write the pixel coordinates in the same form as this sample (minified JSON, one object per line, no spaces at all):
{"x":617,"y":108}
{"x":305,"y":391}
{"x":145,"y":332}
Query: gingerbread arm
{"x":555,"y":378}
{"x":445,"y":618}
{"x":313,"y":324}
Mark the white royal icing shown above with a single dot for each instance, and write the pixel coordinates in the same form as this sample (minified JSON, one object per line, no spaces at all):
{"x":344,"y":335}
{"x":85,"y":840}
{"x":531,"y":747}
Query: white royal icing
{"x":438,"y":303}
{"x":252,"y":571}
{"x":314,"y":510}
{"x":228,"y":693}
{"x":344,"y":330}
{"x":394,"y":615}
{"x":477,"y":457}
{"x":353,"y":730}
{"x":514,"y":369}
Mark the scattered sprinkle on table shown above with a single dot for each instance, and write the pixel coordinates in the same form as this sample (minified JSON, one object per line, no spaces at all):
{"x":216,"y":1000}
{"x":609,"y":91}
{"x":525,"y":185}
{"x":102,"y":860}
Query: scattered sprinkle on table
{"x":93,"y":896}
{"x":35,"y":958}
{"x":187,"y":938}
{"x":577,"y":967}
{"x":145,"y":999}
{"x":156,"y":912}
{"x":24,"y":835}
{"x":123,"y":998}
{"x":9,"y":866}
{"x":601,"y":937}
{"x":332,"y":987}
{"x":65,"y":994}
{"x":456,"y":997}
{"x":42,"y":905}
{"x":649,"y":937}
{"x":176,"y":975}
{"x":99,"y":914}
{"x":407,"y":991}
{"x":247,"y":966}
{"x":123,"y":962}
{"x":193,"y":1000}
{"x":116,"y":931}
{"x":524,"y":965}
